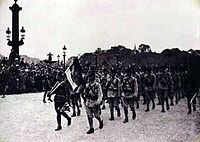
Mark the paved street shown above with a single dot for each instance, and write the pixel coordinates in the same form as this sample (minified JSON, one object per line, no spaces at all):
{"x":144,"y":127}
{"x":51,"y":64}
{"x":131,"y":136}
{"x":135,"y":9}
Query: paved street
{"x":25,"y":118}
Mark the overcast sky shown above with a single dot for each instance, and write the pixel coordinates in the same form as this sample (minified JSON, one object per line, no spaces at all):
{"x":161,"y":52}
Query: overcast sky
{"x":84,"y":25}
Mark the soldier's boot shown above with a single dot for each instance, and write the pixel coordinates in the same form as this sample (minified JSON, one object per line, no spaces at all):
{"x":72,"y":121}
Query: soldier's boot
{"x":100,"y":123}
{"x":44,"y":97}
{"x":179,"y":96}
{"x":78,"y":112}
{"x":147,"y":105}
{"x":153,"y":107}
{"x":163,"y":108}
{"x":69,"y":121}
{"x":74,"y":113}
{"x":176,"y":97}
{"x":126,"y":116}
{"x":144,"y":99}
{"x":159,"y":100}
{"x":59,"y":123}
{"x":167,"y":104}
{"x":189,"y":110}
{"x":189,"y":106}
{"x":194,"y":107}
{"x":147,"y":109}
{"x":172,"y":102}
{"x":67,"y":117}
{"x":111,"y":114}
{"x":118,"y":112}
{"x":137,"y":104}
{"x":3,"y":96}
{"x":133,"y":114}
{"x":91,"y":130}
{"x":58,"y":128}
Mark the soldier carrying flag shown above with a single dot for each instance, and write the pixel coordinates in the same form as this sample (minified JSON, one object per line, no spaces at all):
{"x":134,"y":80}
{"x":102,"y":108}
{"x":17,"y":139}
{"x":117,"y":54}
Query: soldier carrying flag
{"x":62,"y":91}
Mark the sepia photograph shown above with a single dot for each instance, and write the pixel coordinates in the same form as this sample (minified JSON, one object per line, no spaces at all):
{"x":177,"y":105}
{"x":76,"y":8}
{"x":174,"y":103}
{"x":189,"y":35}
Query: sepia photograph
{"x":99,"y":71}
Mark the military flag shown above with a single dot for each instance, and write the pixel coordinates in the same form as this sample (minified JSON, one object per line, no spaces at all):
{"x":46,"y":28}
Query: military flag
{"x":74,"y":72}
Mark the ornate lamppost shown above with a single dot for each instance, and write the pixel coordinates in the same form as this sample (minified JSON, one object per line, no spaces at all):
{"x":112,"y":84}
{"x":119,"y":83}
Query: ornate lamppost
{"x":64,"y":55}
{"x":15,"y":42}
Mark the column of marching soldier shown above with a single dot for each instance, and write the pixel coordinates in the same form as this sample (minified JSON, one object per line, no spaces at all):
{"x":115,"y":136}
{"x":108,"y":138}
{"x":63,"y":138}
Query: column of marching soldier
{"x":122,"y":87}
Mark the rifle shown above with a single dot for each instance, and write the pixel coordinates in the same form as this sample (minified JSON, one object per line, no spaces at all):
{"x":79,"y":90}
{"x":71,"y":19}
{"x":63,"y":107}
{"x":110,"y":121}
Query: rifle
{"x":193,"y":98}
{"x":49,"y":93}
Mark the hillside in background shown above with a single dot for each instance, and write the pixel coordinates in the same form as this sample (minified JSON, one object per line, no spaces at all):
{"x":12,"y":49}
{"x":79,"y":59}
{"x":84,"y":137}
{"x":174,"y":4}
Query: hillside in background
{"x":30,"y":59}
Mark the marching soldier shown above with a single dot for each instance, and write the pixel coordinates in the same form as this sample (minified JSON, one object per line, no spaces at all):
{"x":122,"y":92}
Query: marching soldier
{"x":129,"y":94}
{"x":150,"y":85}
{"x":141,"y":87}
{"x":157,"y":74}
{"x":93,"y":98}
{"x":103,"y":85}
{"x":76,"y":97}
{"x":113,"y":94}
{"x":47,"y":86}
{"x":137,"y":76}
{"x":193,"y":83}
{"x":163,"y":86}
{"x":177,"y":84}
{"x":61,"y":98}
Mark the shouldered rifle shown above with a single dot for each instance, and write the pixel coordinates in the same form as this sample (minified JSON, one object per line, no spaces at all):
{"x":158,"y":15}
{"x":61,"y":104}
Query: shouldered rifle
{"x":53,"y":89}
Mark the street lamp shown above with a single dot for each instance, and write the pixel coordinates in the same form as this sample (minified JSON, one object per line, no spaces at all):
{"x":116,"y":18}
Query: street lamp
{"x":22,"y":33}
{"x":64,"y":55}
{"x":58,"y":58}
{"x":8,"y":32}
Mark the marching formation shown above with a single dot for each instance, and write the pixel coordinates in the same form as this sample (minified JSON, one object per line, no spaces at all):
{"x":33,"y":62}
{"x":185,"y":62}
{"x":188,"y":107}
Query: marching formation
{"x":129,"y":87}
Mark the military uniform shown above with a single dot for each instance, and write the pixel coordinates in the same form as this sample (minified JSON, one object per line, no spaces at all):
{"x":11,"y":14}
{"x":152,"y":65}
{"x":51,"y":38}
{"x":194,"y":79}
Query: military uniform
{"x":46,"y":85}
{"x":113,"y":94}
{"x":157,"y":86}
{"x":93,"y":98}
{"x":141,"y":87}
{"x":139,"y":82}
{"x":76,"y":100}
{"x":163,"y":86}
{"x":103,"y":85}
{"x":129,"y":93}
{"x":62,"y":96}
{"x":176,"y":89}
{"x":150,"y":85}
{"x":193,"y":83}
